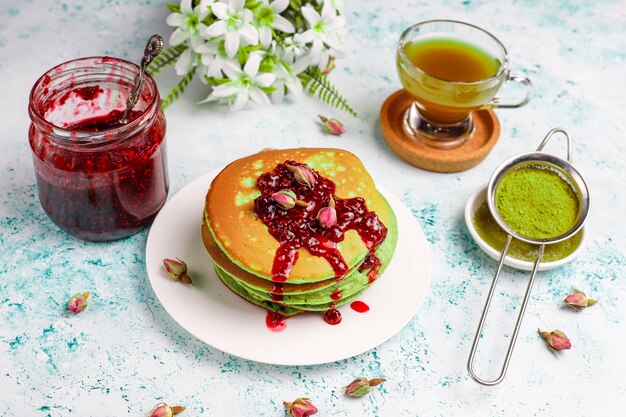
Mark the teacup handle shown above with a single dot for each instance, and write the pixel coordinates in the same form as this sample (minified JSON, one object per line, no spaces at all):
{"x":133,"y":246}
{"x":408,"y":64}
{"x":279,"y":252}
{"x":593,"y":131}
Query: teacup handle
{"x":495,"y":102}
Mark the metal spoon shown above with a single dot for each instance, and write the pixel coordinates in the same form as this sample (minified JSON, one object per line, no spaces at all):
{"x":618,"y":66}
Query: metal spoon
{"x":152,"y":50}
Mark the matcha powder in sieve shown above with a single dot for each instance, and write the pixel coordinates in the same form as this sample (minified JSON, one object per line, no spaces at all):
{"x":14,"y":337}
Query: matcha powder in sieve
{"x":537,"y":202}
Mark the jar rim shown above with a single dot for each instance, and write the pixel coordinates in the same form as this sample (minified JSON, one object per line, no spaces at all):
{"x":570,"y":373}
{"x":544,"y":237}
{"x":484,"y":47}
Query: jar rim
{"x":90,"y":139}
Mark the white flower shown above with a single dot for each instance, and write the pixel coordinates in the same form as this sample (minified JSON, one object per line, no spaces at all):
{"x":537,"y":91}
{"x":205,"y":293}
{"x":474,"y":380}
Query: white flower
{"x":186,"y":61}
{"x":268,"y":16}
{"x":292,"y":49}
{"x":188,"y":22}
{"x":234,"y":24}
{"x":326,"y":29}
{"x":337,"y":4}
{"x":213,"y":57}
{"x":243,"y":85}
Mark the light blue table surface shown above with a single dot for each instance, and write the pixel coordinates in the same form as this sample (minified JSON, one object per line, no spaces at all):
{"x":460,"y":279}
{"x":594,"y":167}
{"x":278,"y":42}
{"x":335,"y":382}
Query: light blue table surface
{"x":125,"y":353}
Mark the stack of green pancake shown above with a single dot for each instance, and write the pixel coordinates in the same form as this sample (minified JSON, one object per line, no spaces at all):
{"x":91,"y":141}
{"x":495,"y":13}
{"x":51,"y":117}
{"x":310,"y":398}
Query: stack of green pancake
{"x":243,"y":250}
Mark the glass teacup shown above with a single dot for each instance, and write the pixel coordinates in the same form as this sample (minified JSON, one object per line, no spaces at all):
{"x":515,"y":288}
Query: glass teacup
{"x":451,"y":69}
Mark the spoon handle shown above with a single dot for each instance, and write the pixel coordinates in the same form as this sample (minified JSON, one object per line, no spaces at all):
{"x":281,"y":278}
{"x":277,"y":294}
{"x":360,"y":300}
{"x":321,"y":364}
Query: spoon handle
{"x":152,"y":50}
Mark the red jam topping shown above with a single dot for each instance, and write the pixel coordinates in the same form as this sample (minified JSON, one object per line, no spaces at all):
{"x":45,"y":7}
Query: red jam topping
{"x":275,"y":322}
{"x":336,"y":295}
{"x":299,"y":228}
{"x":277,"y":292}
{"x":359,"y":306}
{"x":371,"y":263}
{"x":101,"y":191}
{"x":332,"y":316}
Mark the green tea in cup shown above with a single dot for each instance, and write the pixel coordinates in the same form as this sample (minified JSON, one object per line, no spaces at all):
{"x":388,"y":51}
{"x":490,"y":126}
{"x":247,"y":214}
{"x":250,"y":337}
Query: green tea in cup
{"x":451,"y":69}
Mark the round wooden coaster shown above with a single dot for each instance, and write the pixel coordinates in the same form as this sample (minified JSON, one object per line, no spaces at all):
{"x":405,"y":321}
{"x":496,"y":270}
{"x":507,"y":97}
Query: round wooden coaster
{"x":466,"y":156}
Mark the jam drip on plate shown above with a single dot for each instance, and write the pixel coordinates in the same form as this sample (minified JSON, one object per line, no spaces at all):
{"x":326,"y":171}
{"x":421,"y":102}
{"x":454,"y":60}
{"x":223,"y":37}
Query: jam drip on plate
{"x":299,"y":228}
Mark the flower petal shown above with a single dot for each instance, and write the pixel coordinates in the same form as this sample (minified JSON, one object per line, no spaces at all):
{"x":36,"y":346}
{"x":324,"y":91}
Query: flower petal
{"x":301,"y":64}
{"x":178,"y":37}
{"x":175,"y":19}
{"x":203,"y":8}
{"x":251,"y":66}
{"x":249,"y":34}
{"x":216,"y":29}
{"x":240,"y":101}
{"x":237,"y":4}
{"x":304,"y":37}
{"x":220,"y":10}
{"x":185,"y":62}
{"x":231,"y":43}
{"x":265,"y":79}
{"x":265,"y":36}
{"x":185,"y":6}
{"x":259,"y":97}
{"x":225,"y":90}
{"x":277,"y":95}
{"x":328,"y":12}
{"x":311,"y":16}
{"x":283,"y":24}
{"x":336,"y":24}
{"x":279,"y":6}
{"x":231,"y":69}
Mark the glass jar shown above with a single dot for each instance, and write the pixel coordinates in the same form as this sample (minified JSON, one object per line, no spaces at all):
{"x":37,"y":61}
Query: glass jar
{"x":97,"y":179}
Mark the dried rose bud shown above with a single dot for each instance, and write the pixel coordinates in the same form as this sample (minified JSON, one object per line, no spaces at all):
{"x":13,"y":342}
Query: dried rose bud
{"x":285,"y":198}
{"x":330,"y":66}
{"x":361,"y":386}
{"x":578,"y":300}
{"x":327,"y":216}
{"x":303,"y":175}
{"x":164,"y":410}
{"x":332,"y":126}
{"x":78,"y":302}
{"x":301,"y":407}
{"x":556,"y":340}
{"x":177,"y":270}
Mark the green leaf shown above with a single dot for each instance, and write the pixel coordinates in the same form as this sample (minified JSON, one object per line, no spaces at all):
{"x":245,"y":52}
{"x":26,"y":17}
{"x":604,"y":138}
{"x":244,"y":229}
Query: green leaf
{"x":316,"y":83}
{"x":174,"y":8}
{"x":167,"y":57}
{"x":178,"y":89}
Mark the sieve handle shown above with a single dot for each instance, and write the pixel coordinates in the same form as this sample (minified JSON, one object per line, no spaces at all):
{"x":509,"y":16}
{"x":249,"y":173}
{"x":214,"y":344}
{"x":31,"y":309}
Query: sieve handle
{"x":505,"y":366}
{"x":567,"y":137}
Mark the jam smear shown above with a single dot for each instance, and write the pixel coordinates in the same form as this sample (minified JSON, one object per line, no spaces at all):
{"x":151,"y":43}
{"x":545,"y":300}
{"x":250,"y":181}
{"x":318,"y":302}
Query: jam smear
{"x":336,"y":295}
{"x":359,"y":306}
{"x":275,"y":322}
{"x":332,"y":316}
{"x":299,"y":228}
{"x":371,"y":263}
{"x":101,"y":123}
{"x":278,"y":291}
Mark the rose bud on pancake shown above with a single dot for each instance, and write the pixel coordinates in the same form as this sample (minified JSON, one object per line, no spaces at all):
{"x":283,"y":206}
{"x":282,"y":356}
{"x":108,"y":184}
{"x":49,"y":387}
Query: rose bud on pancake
{"x":303,"y":175}
{"x":285,"y":198}
{"x":328,"y":215}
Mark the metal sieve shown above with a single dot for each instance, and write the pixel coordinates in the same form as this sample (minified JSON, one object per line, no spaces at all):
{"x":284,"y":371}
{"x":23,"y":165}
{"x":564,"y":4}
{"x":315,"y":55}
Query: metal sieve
{"x":571,"y":175}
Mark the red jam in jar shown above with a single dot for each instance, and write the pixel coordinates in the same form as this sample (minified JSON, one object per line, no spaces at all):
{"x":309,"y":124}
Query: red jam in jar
{"x":98,"y":180}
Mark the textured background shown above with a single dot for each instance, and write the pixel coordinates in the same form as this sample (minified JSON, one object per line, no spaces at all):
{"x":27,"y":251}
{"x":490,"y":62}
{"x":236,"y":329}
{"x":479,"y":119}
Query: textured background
{"x":125,"y":353}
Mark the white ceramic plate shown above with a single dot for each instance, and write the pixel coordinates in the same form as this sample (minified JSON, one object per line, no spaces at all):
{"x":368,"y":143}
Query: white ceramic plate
{"x":218,"y":317}
{"x":476,"y":200}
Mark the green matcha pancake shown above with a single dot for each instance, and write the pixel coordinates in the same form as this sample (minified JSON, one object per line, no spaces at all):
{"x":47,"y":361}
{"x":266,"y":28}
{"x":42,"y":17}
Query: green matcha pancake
{"x":298,"y":230}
